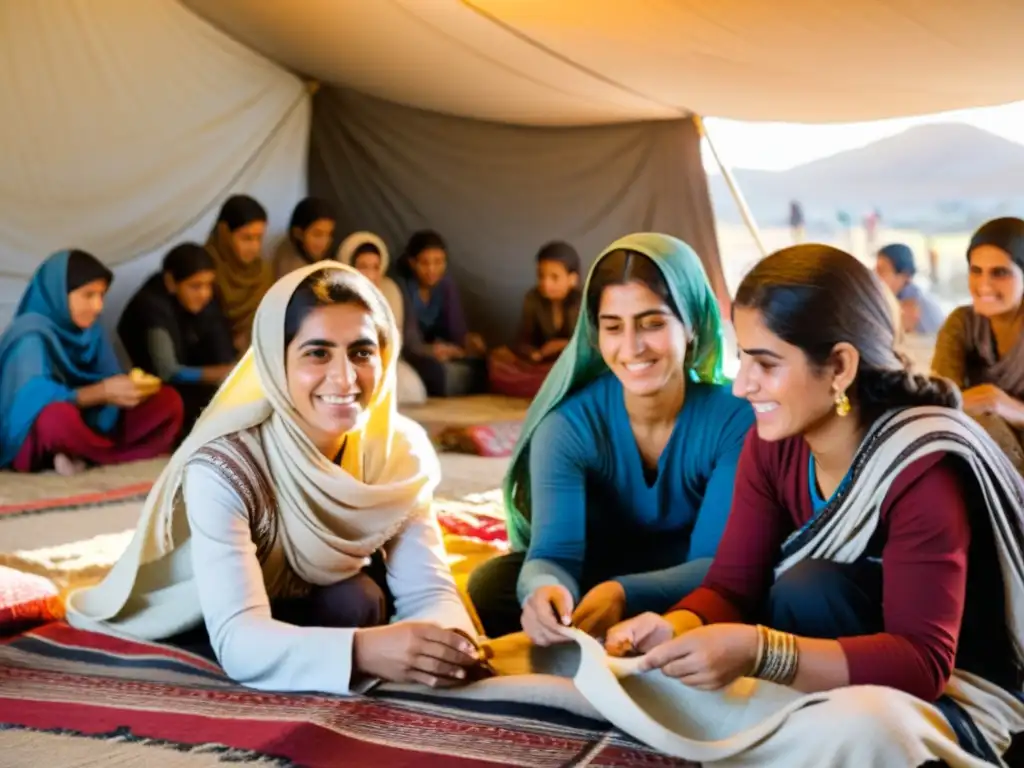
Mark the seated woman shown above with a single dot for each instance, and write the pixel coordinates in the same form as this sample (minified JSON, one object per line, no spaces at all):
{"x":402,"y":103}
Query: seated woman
{"x":310,"y":233}
{"x":64,"y":399}
{"x":369,"y":255}
{"x":258,"y":542}
{"x":436,"y":341}
{"x":243,"y":276}
{"x":919,"y":312}
{"x":981,"y":346}
{"x":549,"y":316}
{"x":869,"y":521}
{"x":173,"y":329}
{"x":622,"y":478}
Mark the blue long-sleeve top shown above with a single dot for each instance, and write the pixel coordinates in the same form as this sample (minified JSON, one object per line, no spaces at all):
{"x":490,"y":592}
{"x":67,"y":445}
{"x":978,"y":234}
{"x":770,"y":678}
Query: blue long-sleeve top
{"x":598,"y":516}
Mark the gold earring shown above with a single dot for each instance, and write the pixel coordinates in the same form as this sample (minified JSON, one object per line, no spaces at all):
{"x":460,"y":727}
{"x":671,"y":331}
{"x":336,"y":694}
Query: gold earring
{"x":842,"y":405}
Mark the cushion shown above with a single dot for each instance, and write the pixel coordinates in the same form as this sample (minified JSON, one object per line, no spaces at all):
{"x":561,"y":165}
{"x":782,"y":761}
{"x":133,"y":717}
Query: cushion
{"x":27,"y":599}
{"x":495,"y":440}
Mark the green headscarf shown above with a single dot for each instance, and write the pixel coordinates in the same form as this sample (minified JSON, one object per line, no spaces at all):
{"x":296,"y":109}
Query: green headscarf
{"x":581,"y":362}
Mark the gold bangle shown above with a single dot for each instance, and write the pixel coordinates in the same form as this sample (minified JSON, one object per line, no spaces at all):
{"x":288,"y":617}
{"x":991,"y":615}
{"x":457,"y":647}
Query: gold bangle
{"x":778,"y":657}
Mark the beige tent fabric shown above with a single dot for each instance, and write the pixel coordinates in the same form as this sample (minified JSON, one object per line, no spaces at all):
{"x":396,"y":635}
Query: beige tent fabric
{"x":575,"y":62}
{"x":125,"y":126}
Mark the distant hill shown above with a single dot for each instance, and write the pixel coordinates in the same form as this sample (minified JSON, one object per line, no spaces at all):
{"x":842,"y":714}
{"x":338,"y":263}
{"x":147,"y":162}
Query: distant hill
{"x":928,"y":176}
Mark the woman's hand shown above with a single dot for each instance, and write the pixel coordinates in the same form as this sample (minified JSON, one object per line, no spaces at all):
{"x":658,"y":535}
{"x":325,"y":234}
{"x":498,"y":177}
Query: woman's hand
{"x":414,"y":652}
{"x":122,"y":391}
{"x":553,"y":348}
{"x":708,"y":657}
{"x":647,"y":631}
{"x":444,"y":351}
{"x":545,"y":612}
{"x":600,"y":609}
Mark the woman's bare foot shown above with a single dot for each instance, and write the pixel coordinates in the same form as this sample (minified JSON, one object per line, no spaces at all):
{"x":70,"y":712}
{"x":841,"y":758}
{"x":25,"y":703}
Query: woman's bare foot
{"x":66,"y":466}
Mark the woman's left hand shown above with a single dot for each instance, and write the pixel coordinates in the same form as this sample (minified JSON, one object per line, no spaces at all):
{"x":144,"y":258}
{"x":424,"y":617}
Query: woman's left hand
{"x":708,"y":657}
{"x":990,"y":399}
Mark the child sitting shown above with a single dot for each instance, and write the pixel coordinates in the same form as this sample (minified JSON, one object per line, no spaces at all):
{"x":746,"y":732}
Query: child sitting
{"x":548,"y":320}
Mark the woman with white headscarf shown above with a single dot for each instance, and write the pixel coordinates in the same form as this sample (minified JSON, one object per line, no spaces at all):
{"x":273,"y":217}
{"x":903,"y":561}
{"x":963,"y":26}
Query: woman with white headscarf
{"x":369,"y":255}
{"x":265,"y":524}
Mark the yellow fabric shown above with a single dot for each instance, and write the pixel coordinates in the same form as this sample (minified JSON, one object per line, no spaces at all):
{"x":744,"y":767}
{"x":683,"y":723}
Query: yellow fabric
{"x":240,"y":285}
{"x":331,"y":518}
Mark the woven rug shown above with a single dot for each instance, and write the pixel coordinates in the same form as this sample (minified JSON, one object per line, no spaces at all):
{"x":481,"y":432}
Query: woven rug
{"x":71,"y":698}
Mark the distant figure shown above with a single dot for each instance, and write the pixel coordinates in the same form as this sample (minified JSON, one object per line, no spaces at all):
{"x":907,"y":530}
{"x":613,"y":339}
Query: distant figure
{"x":796,"y":221}
{"x":920,"y":313}
{"x":871,"y":222}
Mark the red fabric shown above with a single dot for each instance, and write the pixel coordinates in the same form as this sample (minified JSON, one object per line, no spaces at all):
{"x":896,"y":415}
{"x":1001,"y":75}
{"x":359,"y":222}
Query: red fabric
{"x":926,"y":529}
{"x":56,"y":678}
{"x":26,"y":598}
{"x":514,"y":377}
{"x":496,"y":440}
{"x":143,"y":432}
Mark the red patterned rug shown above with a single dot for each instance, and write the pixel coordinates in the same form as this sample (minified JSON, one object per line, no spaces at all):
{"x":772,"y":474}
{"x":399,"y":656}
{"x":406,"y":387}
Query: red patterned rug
{"x":71,"y":698}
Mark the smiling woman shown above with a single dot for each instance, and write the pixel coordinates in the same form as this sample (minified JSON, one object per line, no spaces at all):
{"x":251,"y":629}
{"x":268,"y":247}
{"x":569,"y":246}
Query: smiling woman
{"x":870,"y":521}
{"x":622,"y":479}
{"x":296,"y":517}
{"x":981,"y":346}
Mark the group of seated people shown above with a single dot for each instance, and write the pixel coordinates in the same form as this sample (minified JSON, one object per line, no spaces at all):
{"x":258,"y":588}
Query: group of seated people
{"x":190,"y":323}
{"x":829,"y":520}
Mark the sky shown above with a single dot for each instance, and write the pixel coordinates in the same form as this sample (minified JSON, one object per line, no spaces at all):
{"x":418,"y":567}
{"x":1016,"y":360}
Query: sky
{"x":778,"y":146}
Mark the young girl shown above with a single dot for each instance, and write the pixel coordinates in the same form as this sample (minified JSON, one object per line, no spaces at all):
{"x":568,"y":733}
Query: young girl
{"x":873,"y":554}
{"x":981,"y":346}
{"x":243,"y":276}
{"x":266,"y":539}
{"x":622,"y":478}
{"x":437,"y":343}
{"x":64,"y":400}
{"x":173,"y":329}
{"x":310,"y":233}
{"x":549,"y":316}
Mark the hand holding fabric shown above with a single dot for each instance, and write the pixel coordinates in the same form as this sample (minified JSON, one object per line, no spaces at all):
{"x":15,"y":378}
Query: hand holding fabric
{"x":600,"y":609}
{"x":707,"y":658}
{"x":414,"y":652}
{"x":545,"y":611}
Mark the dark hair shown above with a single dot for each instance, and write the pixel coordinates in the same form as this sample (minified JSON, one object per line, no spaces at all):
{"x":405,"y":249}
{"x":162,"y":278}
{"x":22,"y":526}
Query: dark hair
{"x":1006,"y":234}
{"x":365,"y":248}
{"x":84,"y":268}
{"x":562,"y":253}
{"x":622,"y":267}
{"x":309,"y":210}
{"x":814,"y":297}
{"x":422,"y":241}
{"x":322,"y":289}
{"x":901,"y":258}
{"x":239,"y":210}
{"x":185,"y":260}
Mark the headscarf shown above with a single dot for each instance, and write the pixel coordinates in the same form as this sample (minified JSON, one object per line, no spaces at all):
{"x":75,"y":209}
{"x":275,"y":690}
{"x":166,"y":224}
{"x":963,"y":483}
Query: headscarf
{"x":306,"y":212}
{"x":1006,"y":234}
{"x":901,"y":258}
{"x":199,"y":339}
{"x":240,"y":285}
{"x":581,"y":361}
{"x":330,"y":516}
{"x":44,"y":356}
{"x":347,"y":255}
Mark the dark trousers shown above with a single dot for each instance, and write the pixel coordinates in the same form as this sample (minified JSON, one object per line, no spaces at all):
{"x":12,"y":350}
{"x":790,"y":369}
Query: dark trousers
{"x":360,"y":601}
{"x":823,"y":599}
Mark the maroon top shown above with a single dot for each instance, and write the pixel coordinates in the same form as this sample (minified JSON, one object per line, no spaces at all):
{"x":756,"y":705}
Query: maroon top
{"x":925,"y":535}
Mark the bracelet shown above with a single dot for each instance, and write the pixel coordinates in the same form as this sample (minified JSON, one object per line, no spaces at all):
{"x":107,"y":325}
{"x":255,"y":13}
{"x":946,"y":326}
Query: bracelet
{"x":777,"y":656}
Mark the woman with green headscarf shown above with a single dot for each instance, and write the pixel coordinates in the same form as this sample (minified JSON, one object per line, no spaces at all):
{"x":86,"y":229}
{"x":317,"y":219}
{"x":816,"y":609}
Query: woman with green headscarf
{"x":621,"y":482}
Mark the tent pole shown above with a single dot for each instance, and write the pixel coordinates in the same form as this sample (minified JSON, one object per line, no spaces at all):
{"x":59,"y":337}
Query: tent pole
{"x":730,"y":180}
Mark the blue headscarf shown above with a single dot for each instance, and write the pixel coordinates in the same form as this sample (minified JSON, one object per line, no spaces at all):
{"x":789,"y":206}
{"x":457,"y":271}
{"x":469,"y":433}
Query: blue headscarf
{"x":45,"y":357}
{"x":901,"y":258}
